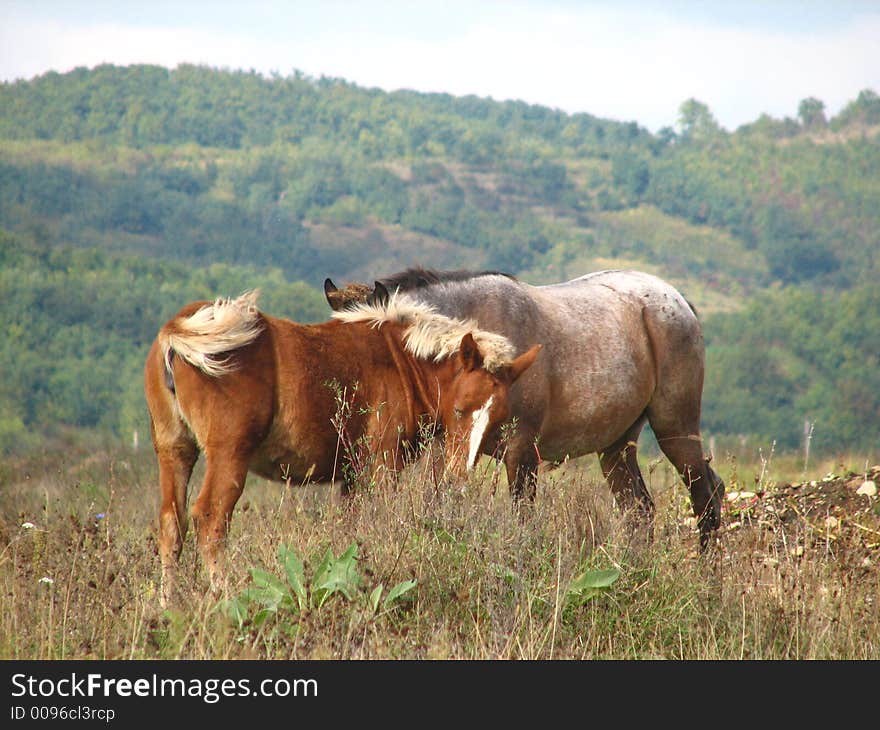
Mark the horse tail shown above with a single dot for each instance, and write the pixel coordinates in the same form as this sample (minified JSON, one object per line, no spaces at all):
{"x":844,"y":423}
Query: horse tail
{"x":214,"y":329}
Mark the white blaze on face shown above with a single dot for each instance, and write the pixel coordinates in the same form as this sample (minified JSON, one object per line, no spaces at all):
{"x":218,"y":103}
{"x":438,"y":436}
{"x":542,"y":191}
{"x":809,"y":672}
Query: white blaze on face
{"x":478,"y":431}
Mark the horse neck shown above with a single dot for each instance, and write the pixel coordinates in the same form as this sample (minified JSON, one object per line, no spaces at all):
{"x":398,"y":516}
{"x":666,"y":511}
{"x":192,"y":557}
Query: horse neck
{"x":490,"y":300}
{"x":423,"y":380}
{"x":438,"y":377}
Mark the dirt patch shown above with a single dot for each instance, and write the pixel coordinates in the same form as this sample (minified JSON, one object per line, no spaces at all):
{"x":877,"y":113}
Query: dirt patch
{"x":838,"y":513}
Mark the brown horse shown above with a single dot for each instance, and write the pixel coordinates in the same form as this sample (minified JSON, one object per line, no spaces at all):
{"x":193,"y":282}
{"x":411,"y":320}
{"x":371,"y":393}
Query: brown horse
{"x":293,"y":402}
{"x":623,"y":348}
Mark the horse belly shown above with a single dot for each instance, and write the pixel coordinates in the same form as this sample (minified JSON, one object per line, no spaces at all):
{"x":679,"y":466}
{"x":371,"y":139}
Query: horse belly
{"x":283,"y":456}
{"x":289,"y":466}
{"x":588,"y":433}
{"x":596,"y":402}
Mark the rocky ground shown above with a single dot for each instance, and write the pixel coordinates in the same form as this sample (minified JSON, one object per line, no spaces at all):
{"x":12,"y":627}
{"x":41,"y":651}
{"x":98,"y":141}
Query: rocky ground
{"x":837,"y":514}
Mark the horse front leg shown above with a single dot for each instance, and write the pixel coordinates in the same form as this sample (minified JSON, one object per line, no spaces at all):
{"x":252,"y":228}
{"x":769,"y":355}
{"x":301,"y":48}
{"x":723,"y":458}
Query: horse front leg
{"x":620,"y":466}
{"x":521,"y":462}
{"x":212,"y":512}
{"x":383,"y":452}
{"x":387,"y":461}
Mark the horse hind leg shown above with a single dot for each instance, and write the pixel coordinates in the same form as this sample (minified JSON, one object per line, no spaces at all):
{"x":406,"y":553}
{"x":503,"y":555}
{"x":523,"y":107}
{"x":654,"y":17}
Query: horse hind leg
{"x":674,"y":415}
{"x":620,"y":466}
{"x":225,"y":476}
{"x":176,"y":463}
{"x":176,"y":453}
{"x":706,"y":488}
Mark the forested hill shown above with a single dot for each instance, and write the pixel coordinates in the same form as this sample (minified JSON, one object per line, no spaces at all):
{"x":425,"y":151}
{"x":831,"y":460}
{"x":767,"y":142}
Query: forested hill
{"x":127,"y":191}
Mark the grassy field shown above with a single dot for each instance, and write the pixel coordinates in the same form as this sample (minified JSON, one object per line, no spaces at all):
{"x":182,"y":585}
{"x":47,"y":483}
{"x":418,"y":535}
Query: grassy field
{"x":434,"y":573}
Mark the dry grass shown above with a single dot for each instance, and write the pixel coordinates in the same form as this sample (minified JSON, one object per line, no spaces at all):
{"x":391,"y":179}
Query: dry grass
{"x":492,"y":584}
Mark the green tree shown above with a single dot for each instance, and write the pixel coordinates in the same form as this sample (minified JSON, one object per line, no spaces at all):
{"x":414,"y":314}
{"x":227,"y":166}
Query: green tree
{"x":696,"y":123}
{"x":811,"y":112}
{"x":864,"y":110}
{"x":631,"y":173}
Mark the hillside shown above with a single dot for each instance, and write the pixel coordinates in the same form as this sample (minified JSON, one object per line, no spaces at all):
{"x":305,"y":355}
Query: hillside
{"x":127,"y":191}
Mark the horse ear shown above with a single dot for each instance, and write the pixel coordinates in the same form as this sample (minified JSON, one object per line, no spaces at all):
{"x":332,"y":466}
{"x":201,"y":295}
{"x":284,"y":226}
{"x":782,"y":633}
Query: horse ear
{"x":380,"y":294}
{"x":522,"y":363}
{"x":469,"y":354}
{"x":330,"y":294}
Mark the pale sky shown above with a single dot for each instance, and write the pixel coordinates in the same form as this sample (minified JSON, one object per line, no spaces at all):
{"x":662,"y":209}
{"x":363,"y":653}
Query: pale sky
{"x":617,"y":59}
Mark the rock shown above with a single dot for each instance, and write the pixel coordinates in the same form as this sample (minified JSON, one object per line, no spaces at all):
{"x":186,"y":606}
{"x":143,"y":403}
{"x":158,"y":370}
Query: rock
{"x":734,"y":496}
{"x":868,"y":489}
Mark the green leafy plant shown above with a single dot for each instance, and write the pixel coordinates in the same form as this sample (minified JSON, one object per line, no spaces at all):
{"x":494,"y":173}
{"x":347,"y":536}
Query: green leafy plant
{"x":336,"y":575}
{"x":293,"y":593}
{"x":590,"y":584}
{"x":394,"y":594}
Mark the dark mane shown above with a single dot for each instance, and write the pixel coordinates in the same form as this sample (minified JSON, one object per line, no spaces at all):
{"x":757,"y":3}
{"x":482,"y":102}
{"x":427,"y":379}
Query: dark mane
{"x":418,"y":278}
{"x":415,"y":277}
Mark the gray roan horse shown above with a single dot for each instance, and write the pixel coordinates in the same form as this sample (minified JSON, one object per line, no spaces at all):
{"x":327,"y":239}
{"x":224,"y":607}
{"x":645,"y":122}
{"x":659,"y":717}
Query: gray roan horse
{"x":621,"y":348}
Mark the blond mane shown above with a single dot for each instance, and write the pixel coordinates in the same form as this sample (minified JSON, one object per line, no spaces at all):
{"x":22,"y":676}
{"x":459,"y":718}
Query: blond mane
{"x":428,"y":333}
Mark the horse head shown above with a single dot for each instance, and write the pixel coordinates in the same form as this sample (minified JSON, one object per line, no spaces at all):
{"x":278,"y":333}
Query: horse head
{"x":340,"y":299}
{"x":477,"y":402}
